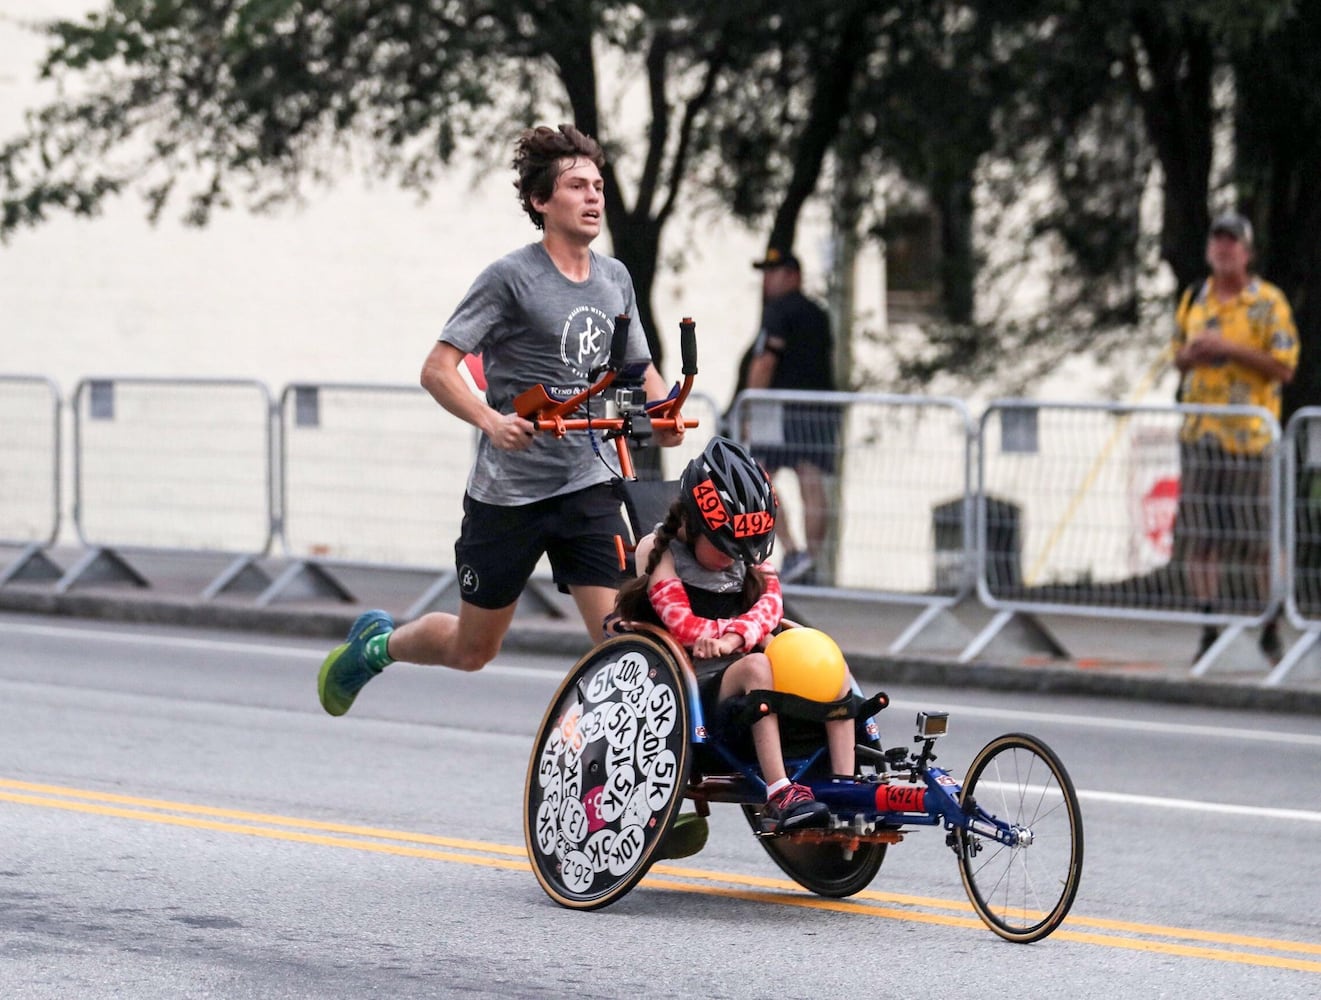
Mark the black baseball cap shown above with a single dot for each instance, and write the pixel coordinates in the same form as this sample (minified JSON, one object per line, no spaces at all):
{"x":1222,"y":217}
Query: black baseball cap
{"x":1233,"y":224}
{"x":775,"y":257}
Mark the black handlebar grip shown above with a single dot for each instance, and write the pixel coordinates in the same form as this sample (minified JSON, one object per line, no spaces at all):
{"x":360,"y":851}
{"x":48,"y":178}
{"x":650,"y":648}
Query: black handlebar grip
{"x":619,"y":343}
{"x":688,"y":345}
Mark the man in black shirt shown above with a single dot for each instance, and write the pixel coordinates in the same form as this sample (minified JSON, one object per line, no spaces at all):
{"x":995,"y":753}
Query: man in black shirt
{"x":794,"y":349}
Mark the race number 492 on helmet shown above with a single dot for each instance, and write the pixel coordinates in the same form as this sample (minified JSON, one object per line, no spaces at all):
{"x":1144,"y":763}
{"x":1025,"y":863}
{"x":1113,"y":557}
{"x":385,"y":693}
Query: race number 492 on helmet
{"x":730,"y":498}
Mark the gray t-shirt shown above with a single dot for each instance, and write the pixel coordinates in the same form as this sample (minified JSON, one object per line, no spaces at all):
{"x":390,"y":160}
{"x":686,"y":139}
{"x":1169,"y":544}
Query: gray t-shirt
{"x":533,"y":325}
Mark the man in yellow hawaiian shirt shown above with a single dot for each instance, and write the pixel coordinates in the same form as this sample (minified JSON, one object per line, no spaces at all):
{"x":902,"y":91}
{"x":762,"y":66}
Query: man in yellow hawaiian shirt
{"x":1236,"y":344}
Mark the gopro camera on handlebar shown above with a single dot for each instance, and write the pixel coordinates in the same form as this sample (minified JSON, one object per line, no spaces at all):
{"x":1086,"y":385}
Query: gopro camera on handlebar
{"x":931,"y":725}
{"x":630,"y":400}
{"x":623,"y":382}
{"x":629,"y":394}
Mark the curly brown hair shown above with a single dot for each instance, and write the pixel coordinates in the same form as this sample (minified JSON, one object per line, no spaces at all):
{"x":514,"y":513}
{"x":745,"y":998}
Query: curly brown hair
{"x":541,"y":154}
{"x":633,"y":604}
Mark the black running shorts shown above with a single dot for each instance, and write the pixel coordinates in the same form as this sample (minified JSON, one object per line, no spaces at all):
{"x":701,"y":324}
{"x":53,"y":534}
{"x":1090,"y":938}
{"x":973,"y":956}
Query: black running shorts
{"x":499,"y":547}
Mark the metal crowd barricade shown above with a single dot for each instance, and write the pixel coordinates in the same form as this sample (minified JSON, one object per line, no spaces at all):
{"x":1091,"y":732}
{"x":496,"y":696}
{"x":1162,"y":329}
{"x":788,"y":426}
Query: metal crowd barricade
{"x":1081,"y":510}
{"x":182,"y":465}
{"x":898,"y":506}
{"x":1302,"y":527}
{"x":29,"y":475}
{"x":370,"y":476}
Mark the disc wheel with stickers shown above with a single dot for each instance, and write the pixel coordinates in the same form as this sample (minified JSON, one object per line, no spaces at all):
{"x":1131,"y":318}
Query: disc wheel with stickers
{"x":608,"y":772}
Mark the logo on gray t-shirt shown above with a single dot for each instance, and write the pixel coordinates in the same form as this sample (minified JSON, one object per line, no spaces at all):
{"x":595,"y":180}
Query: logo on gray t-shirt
{"x":586,"y":337}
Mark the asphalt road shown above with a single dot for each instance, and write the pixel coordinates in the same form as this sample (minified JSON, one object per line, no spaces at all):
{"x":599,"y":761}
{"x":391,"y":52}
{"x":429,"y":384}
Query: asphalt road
{"x":180,"y":819}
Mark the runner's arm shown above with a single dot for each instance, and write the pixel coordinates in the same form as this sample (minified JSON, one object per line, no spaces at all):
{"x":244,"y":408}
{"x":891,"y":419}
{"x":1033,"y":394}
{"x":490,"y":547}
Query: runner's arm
{"x":441,"y":378}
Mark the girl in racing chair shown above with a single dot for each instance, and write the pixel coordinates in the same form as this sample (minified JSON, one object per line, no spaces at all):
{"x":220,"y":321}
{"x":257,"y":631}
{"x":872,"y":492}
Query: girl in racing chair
{"x":703,"y":575}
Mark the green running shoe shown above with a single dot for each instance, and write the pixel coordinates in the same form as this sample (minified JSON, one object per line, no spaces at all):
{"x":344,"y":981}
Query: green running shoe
{"x":686,"y":837}
{"x":346,"y":671}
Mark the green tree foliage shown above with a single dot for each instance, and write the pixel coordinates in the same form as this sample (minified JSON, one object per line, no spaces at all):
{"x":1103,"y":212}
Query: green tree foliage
{"x":971,"y":105}
{"x":219,"y":102}
{"x":1086,"y":99}
{"x":1278,"y":136}
{"x":1264,"y":54}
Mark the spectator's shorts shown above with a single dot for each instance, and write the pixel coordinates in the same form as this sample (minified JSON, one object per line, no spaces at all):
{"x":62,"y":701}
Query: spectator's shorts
{"x":1224,"y":502}
{"x":811,"y":435}
{"x":499,"y":547}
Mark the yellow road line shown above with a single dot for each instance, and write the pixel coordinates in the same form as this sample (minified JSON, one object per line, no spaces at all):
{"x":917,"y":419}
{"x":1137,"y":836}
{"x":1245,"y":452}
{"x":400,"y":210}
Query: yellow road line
{"x":260,"y":831}
{"x":1159,"y":947}
{"x":750,"y":888}
{"x":306,"y":824}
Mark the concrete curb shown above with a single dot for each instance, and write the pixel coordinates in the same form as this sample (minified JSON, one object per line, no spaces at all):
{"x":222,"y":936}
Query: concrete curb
{"x":543,"y":635}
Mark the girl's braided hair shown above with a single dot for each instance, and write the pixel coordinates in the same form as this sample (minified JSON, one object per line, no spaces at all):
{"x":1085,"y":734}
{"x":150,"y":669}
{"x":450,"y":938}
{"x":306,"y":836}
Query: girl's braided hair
{"x":633,"y":604}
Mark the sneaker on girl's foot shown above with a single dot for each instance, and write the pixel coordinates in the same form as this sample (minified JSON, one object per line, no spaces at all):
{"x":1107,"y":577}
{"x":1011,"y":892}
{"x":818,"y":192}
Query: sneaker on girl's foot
{"x":793,"y":807}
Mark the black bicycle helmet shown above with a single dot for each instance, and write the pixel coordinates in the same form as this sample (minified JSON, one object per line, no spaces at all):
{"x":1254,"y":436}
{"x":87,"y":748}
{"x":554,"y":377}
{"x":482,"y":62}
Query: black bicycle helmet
{"x":730,"y":499}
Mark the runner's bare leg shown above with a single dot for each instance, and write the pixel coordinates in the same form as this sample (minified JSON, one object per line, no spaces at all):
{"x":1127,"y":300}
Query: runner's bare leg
{"x":466,"y":641}
{"x":594,"y":604}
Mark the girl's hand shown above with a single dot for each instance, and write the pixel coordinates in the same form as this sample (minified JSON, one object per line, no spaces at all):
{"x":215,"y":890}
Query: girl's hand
{"x":709,"y":649}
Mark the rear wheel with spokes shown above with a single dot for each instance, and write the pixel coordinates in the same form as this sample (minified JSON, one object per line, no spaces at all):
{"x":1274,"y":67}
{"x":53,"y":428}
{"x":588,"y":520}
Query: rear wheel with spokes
{"x":1021,"y":891}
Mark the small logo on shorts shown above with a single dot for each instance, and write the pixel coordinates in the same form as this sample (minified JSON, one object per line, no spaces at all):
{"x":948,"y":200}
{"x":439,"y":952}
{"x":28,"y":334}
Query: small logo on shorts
{"x":468,"y":579}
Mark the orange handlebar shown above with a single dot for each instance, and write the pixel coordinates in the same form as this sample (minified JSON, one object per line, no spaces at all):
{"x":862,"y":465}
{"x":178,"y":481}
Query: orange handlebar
{"x":549,"y":414}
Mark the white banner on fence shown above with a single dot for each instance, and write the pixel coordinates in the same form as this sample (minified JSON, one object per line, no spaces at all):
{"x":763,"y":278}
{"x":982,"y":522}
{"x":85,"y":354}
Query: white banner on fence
{"x":1153,"y":496}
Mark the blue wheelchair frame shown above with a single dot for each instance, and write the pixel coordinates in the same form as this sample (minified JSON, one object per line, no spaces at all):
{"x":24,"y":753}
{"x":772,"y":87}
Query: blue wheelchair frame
{"x":849,"y":799}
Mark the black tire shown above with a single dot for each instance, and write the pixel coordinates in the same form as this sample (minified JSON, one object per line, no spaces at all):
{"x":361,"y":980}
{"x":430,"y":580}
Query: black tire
{"x":601,"y":794}
{"x":1022,"y":893}
{"x":822,"y":868}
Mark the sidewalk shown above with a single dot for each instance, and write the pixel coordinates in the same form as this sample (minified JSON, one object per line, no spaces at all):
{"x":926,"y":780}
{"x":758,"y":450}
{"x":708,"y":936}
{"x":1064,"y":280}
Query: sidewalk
{"x":1111,"y":657}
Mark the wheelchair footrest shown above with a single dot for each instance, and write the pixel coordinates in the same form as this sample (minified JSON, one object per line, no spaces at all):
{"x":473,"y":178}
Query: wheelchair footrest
{"x":849,"y":839}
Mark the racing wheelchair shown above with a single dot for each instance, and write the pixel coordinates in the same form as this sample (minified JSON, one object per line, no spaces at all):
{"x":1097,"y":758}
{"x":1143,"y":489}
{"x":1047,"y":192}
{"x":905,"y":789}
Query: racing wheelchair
{"x":626,"y":740}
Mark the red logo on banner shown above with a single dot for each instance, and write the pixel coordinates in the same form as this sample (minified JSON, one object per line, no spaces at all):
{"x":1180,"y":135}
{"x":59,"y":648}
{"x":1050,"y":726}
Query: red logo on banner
{"x":1160,"y":504}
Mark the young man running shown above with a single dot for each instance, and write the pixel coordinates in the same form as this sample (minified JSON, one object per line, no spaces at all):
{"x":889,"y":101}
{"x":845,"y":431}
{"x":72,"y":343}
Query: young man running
{"x":542,"y":314}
